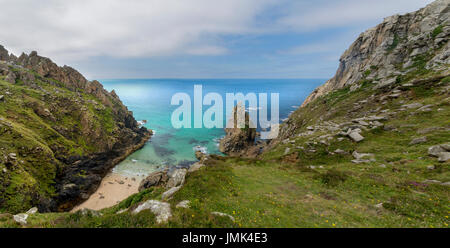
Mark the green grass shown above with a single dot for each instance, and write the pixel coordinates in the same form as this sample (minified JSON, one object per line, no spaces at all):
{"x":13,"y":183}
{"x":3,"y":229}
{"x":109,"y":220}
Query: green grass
{"x":304,"y":188}
{"x":437,"y":31}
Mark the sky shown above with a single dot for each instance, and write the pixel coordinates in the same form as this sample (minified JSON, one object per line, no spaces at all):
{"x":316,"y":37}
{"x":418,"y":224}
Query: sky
{"x":106,"y":39}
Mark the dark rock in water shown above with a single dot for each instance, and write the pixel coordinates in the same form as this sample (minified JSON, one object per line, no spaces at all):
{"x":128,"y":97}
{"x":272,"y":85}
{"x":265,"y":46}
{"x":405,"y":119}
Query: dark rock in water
{"x":162,"y":151}
{"x":163,"y":139}
{"x":193,"y":141}
{"x":237,"y":140}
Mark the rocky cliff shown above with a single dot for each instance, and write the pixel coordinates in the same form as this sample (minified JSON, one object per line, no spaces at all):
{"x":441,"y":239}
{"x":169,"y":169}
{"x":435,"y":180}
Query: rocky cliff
{"x":400,"y":45}
{"x":60,"y":133}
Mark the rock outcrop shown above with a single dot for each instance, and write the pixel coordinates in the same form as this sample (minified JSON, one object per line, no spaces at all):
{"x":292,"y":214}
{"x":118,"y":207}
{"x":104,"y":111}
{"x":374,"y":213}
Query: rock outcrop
{"x":160,"y":209}
{"x":237,"y":139}
{"x":4,"y":54}
{"x":156,"y":178}
{"x":397,"y":46}
{"x":442,"y":152}
{"x":167,"y":178}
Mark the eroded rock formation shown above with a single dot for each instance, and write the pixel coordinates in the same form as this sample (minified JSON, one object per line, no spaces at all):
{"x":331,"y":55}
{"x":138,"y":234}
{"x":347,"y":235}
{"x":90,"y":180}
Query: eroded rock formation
{"x":238,"y":139}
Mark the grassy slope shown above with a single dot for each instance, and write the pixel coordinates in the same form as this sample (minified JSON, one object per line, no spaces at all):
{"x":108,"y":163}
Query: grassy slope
{"x":273,"y":191}
{"x":32,"y":137}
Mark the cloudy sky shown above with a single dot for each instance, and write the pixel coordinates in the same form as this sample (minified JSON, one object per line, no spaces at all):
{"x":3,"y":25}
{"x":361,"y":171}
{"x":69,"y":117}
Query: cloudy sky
{"x":193,"y":38}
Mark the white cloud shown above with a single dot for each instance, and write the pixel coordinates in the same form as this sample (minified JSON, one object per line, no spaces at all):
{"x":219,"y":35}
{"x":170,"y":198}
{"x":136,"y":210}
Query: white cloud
{"x":78,"y":29}
{"x":70,"y":31}
{"x":311,"y":15}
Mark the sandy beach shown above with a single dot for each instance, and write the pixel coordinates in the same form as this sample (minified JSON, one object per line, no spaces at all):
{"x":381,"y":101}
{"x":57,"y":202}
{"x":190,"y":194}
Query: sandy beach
{"x":113,"y":189}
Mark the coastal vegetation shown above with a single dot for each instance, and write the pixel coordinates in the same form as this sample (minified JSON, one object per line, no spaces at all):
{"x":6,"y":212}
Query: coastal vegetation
{"x":370,"y":148}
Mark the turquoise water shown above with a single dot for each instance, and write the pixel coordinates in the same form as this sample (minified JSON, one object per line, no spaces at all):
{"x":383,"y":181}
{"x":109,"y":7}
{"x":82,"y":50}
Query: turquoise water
{"x":149,"y":99}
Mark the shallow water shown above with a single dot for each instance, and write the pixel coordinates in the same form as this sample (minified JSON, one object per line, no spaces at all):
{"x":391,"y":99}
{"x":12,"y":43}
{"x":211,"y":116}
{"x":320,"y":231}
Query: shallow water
{"x":149,"y":99}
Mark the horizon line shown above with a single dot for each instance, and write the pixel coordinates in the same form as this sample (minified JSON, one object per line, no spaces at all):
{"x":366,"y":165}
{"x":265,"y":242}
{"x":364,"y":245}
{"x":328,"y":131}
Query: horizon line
{"x":168,"y":78}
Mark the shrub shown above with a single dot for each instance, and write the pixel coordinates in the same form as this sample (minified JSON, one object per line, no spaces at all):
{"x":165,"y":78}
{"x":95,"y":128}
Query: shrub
{"x":333,"y":177}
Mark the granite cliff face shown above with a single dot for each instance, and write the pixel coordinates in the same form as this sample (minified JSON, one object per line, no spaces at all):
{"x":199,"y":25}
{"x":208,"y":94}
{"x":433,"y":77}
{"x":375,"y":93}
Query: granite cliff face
{"x":60,"y":133}
{"x":398,"y":46}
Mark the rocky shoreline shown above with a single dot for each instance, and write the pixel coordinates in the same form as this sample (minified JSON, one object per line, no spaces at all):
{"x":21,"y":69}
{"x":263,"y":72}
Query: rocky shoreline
{"x":73,"y":190}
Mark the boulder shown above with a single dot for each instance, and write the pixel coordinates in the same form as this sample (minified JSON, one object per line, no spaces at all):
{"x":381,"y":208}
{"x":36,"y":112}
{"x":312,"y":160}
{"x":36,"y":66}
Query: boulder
{"x":176,"y":178}
{"x":12,"y":156}
{"x":435,"y":150}
{"x":160,"y":209}
{"x":184,"y":204}
{"x":446,"y":146}
{"x":2,"y":98}
{"x":386,"y":83}
{"x":444,"y":156}
{"x":196,"y":167}
{"x":169,"y":193}
{"x":418,"y":140}
{"x":154,"y":179}
{"x":359,"y":156}
{"x":21,"y":218}
{"x":355,"y":136}
{"x":339,"y":151}
{"x":32,"y":210}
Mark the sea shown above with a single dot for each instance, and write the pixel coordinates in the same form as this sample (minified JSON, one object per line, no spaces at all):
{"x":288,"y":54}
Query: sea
{"x":150,"y":100}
